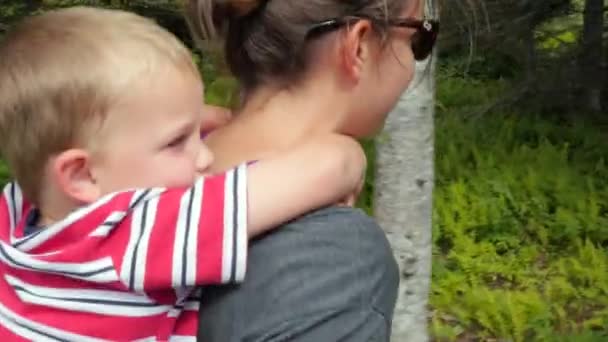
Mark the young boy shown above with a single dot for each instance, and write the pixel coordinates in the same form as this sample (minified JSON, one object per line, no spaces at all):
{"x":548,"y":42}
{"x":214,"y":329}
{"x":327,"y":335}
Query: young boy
{"x":100,"y":122}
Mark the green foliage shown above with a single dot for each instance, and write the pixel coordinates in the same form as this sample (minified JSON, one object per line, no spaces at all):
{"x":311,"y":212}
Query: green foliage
{"x":222,"y":91}
{"x":4,"y":174}
{"x":475,"y":94}
{"x":561,"y":32}
{"x":520,"y":224}
{"x":365,"y":200}
{"x":11,"y":11}
{"x":492,"y":65}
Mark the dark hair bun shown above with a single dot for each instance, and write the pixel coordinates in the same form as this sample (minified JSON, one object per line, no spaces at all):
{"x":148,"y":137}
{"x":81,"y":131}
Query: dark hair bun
{"x":237,"y":8}
{"x":208,"y":19}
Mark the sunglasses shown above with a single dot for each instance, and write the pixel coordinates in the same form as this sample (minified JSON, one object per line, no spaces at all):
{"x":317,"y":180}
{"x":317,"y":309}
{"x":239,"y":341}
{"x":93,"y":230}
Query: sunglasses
{"x":423,"y":40}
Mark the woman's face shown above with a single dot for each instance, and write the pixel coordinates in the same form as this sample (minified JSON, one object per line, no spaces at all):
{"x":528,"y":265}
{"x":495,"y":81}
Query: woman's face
{"x":390,"y":71}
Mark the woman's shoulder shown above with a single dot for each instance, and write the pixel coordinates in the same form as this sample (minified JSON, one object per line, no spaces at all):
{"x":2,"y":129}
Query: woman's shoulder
{"x":335,"y":219}
{"x":347,"y":231}
{"x":337,"y":213}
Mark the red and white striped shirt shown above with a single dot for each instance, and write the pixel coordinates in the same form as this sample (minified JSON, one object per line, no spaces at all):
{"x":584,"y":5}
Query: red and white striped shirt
{"x":123,"y":268}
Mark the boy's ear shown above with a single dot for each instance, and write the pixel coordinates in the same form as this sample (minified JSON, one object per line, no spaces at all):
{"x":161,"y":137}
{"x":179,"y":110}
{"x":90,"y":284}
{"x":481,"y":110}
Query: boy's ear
{"x":71,"y":171}
{"x":355,"y":48}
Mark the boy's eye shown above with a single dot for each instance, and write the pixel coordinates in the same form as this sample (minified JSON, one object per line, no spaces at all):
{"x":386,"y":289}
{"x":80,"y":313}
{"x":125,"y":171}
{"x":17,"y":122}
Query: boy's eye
{"x":177,"y":141}
{"x":205,"y":129}
{"x":204,"y":133}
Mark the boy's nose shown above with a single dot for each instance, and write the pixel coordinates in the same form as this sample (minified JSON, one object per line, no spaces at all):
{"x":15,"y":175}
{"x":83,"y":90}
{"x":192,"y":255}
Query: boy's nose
{"x":204,"y":160}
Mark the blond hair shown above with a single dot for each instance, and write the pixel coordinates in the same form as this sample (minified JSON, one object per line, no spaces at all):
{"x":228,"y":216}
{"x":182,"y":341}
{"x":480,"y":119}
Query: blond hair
{"x":62,"y":70}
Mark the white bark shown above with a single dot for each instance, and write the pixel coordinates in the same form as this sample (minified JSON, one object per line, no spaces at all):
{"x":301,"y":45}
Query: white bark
{"x":403,"y":200}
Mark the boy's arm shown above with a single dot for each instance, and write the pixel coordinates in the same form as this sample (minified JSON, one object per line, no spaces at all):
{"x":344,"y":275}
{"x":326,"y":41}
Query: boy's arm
{"x":321,"y":172}
{"x":176,"y":238}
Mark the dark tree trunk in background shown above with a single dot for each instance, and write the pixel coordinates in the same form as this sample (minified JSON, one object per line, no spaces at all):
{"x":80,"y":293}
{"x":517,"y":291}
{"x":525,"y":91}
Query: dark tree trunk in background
{"x":590,"y":60}
{"x":605,"y":80}
{"x":530,"y":46}
{"x":32,"y":5}
{"x":529,"y":40}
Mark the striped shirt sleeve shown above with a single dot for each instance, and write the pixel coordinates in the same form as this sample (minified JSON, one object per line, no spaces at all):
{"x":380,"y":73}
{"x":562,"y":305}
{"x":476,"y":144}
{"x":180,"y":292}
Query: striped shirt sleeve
{"x":186,"y":237}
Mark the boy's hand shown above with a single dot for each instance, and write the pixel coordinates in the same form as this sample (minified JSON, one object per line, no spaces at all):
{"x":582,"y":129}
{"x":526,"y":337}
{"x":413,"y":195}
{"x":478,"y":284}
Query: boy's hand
{"x":214,"y":117}
{"x":351,"y":199}
{"x":321,"y":172}
{"x":346,"y":146}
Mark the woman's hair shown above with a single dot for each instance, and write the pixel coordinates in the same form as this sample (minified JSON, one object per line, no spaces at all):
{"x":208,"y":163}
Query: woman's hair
{"x":266,"y":39}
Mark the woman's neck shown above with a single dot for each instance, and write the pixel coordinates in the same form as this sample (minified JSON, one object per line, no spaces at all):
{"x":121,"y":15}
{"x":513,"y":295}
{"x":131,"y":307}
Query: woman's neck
{"x":273,"y":120}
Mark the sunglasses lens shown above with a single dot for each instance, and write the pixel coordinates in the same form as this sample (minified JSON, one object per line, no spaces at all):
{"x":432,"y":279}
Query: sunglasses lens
{"x":423,"y":42}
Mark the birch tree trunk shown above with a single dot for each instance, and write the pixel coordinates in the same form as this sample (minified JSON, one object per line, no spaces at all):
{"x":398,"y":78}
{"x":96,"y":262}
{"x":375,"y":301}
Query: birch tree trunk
{"x":403,"y":199}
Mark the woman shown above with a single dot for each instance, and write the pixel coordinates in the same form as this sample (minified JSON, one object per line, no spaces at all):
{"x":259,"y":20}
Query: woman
{"x":306,"y":68}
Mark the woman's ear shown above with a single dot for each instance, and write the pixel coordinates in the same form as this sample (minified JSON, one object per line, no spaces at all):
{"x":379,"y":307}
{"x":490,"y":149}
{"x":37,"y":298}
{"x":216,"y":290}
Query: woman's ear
{"x":71,"y":171}
{"x":356,"y":49}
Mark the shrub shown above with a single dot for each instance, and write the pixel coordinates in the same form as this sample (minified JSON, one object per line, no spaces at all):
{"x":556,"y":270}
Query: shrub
{"x":520,"y":226}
